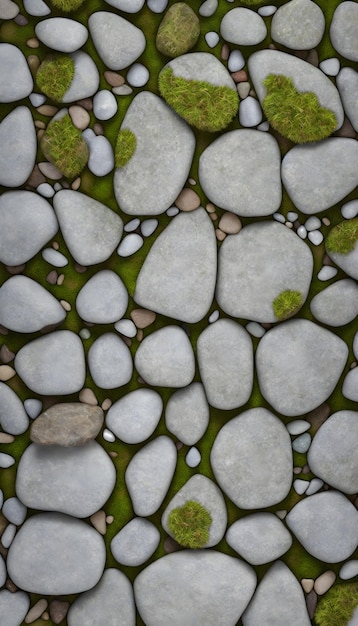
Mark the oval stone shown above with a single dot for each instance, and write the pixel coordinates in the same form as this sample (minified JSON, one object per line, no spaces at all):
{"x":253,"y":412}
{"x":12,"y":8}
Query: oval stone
{"x":110,"y":362}
{"x":62,"y":34}
{"x":18,"y":145}
{"x":15,"y":81}
{"x":135,"y":416}
{"x":117,"y":41}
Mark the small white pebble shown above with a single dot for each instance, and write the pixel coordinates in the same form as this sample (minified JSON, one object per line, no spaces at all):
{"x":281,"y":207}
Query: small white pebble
{"x":350,"y":210}
{"x":57,"y":186}
{"x":208,"y":8}
{"x":300,"y":486}
{"x":326,"y":221}
{"x":193,"y":457}
{"x":126,"y":328}
{"x":330,"y":66}
{"x":130,"y":245}
{"x":191,"y":181}
{"x":84,"y":333}
{"x":54,"y":257}
{"x":8,"y":535}
{"x":33,"y":407}
{"x":214,"y":317}
{"x":236,"y":61}
{"x":279,"y":217}
{"x":255,"y":329}
{"x":6,"y":460}
{"x":267,"y":10}
{"x":302,"y":232}
{"x":289,"y":224}
{"x":292,"y":216}
{"x":312,"y":223}
{"x":349,"y":570}
{"x":212,"y":39}
{"x":138,"y":75}
{"x":148,"y":227}
{"x":315,"y":237}
{"x":327,"y":272}
{"x":173,"y":210}
{"x":108,"y":435}
{"x":314,"y":486}
{"x":297,"y":427}
{"x":264,"y":126}
{"x":45,"y":190}
{"x":37,"y":99}
{"x":132,"y":225}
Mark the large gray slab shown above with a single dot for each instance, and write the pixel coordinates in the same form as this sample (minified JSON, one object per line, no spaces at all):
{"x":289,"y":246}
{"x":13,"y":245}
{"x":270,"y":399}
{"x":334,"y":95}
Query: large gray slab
{"x":56,"y":554}
{"x":103,"y":299}
{"x":178,"y":276}
{"x":67,"y":424}
{"x":347,"y":83}
{"x":259,"y":538}
{"x":194,"y":587}
{"x":135,"y":543}
{"x":18,"y":145}
{"x":298,"y":24}
{"x":252,"y":459}
{"x":240,"y":172}
{"x":225,"y":358}
{"x":337,"y":304}
{"x":85,"y":81}
{"x":13,"y":607}
{"x":13,"y":417}
{"x":16,"y":81}
{"x":118,"y":42}
{"x":256,"y":265}
{"x":134,"y":417}
{"x":110,"y":361}
{"x":243,"y":27}
{"x":62,"y":34}
{"x":187,"y":414}
{"x":298,"y":365}
{"x":149,"y":183}
{"x":344,"y":30}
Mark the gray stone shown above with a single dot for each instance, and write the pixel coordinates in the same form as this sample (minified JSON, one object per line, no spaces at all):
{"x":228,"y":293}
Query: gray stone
{"x":197,"y":65}
{"x":187,"y":414}
{"x":203,"y":490}
{"x":137,"y":75}
{"x":318,"y":175}
{"x":126,"y":327}
{"x":278,"y":600}
{"x":347,"y":262}
{"x":256,"y":265}
{"x":355,"y":345}
{"x":13,"y":607}
{"x":330,"y":66}
{"x":13,"y":417}
{"x":306,"y":77}
{"x":77,"y":481}
{"x":18,"y":145}
{"x":298,"y":24}
{"x":91,"y":230}
{"x":110,"y":598}
{"x":326,"y":524}
{"x":110,"y":362}
{"x":33,"y":407}
{"x":3,"y":577}
{"x":104,"y":105}
{"x":103,"y":299}
{"x":337,"y":304}
{"x":243,"y":27}
{"x":26,"y":307}
{"x":134,"y":417}
{"x":128,"y":6}
{"x":148,"y":185}
{"x":67,"y":424}
{"x":302,"y":443}
{"x":54,"y":257}
{"x":250,"y":113}
{"x":225,"y":357}
{"x":101,"y":157}
{"x":14,"y":511}
{"x":149,"y":474}
{"x":37,"y":8}
{"x":86,"y":78}
{"x":344,"y":30}
{"x":194,"y":587}
{"x":349,"y":570}
{"x":178,"y":276}
{"x":252,"y":459}
{"x":350,"y":385}
{"x":53,"y":364}
{"x":347,"y":83}
{"x":298,"y":365}
{"x":240,"y":172}
{"x":118,"y":42}
{"x":8,"y":10}
{"x":212,"y":39}
{"x":62,"y":34}
{"x":332,"y":454}
{"x":135,"y":543}
{"x":259,"y":538}
{"x":157,"y":6}
{"x":349,"y":210}
{"x":193,"y":457}
{"x":16,"y":81}
{"x":130,"y":245}
{"x":165,"y":358}
{"x":208,"y":8}
{"x":55,"y":554}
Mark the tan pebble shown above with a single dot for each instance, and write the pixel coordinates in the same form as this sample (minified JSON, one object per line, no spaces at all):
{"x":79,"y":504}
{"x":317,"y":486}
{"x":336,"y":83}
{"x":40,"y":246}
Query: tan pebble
{"x":289,"y":224}
{"x":10,"y":586}
{"x":239,"y":77}
{"x":306,"y":469}
{"x":140,"y":380}
{"x":122,"y":90}
{"x":40,"y":124}
{"x":252,"y":93}
{"x":55,"y":245}
{"x":60,"y":279}
{"x":98,"y":129}
{"x":353,"y":365}
{"x":36,"y":177}
{"x":297,"y":470}
{"x":36,"y":611}
{"x":66,"y":305}
{"x":307,"y":584}
{"x":191,"y":181}
{"x":86,"y":103}
{"x":281,"y":514}
{"x":50,"y":171}
{"x":45,"y":616}
{"x":6,"y":438}
{"x":109,"y":519}
{"x":113,"y":454}
{"x":40,"y":134}
{"x":220,"y":236}
{"x":188,"y":200}
{"x":3,"y":330}
{"x":213,"y":217}
{"x":79,"y":116}
{"x":210,"y":208}
{"x":327,"y":260}
{"x":225,"y":52}
{"x":230,"y":223}
{"x":33,"y":62}
{"x":87,"y":396}
{"x":243,"y":89}
{"x":33,"y":43}
{"x":76,"y":183}
{"x":80,"y":268}
{"x":98,"y":521}
{"x":106,"y":404}
{"x":324,"y":582}
{"x":114,"y":79}
{"x":143,"y":317}
{"x":52,"y":277}
{"x":326,"y":221}
{"x":6,"y":355}
{"x":65,"y":184}
{"x":140,"y":335}
{"x":6,"y":372}
{"x":47,"y":109}
{"x":179,"y":445}
{"x":312,"y":58}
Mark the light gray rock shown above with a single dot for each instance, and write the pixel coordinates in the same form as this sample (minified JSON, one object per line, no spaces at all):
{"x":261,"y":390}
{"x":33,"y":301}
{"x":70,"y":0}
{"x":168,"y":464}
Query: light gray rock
{"x":135,"y":543}
{"x":330,"y":66}
{"x":259,"y":538}
{"x":149,"y":474}
{"x":350,"y":385}
{"x":194,"y":587}
{"x":54,"y":257}
{"x":18,"y":145}
{"x":130,"y":245}
{"x":208,"y":8}
{"x":56,"y":554}
{"x":6,"y":460}
{"x":289,"y":362}
{"x":349,"y":210}
{"x":243,"y":451}
{"x":278,"y":599}
{"x":203,"y":490}
{"x":13,"y":417}
{"x":118,"y":42}
{"x":134,"y":417}
{"x":148,"y":185}
{"x":256,"y":265}
{"x":347,"y":262}
{"x":355,"y":345}
{"x":8,"y":10}
{"x":102,"y":300}
{"x":337,"y":304}
{"x":326,"y":524}
{"x":347,"y":83}
{"x":240,"y":172}
{"x":128,"y":6}
{"x":104,"y":105}
{"x":305,"y":76}
{"x":157,"y":6}
{"x":344,"y":30}
{"x":225,"y":357}
{"x":67,"y":424}
{"x":33,"y":407}
{"x":77,"y":481}
{"x":53,"y":364}
{"x":187,"y":414}
{"x":14,"y":511}
{"x":298,"y":24}
{"x":126,"y":327}
{"x":110,"y":362}
{"x":91,"y":230}
{"x":165,"y":358}
{"x":332,"y":456}
{"x":302,"y":443}
{"x":250,"y":112}
{"x":196,"y":65}
{"x":212,"y":39}
{"x":13,"y":607}
{"x":178,"y":276}
{"x":62,"y":34}
{"x":193,"y":457}
{"x":318,"y":175}
{"x":86,"y":78}
{"x":26,"y":307}
{"x":349,"y":570}
{"x":243,"y":27}
{"x":37,"y":8}
{"x":297,"y":427}
{"x":16,"y":81}
{"x":101,"y":157}
{"x":3,"y":577}
{"x":137,"y":75}
{"x":110,"y":598}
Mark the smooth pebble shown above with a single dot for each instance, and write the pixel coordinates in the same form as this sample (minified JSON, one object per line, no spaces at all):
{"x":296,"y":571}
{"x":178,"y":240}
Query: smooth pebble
{"x":129,"y":245}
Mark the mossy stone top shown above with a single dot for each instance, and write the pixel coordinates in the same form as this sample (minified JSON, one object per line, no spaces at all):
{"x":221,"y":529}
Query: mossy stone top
{"x":179,"y":30}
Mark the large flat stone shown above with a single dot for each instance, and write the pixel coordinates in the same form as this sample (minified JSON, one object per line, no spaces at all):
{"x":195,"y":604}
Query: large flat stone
{"x":298,"y":24}
{"x":67,"y":424}
{"x":18,"y":145}
{"x":118,"y":42}
{"x":259,"y":538}
{"x":344,"y":30}
{"x":16,"y":81}
{"x":62,"y":34}
{"x":243,"y":27}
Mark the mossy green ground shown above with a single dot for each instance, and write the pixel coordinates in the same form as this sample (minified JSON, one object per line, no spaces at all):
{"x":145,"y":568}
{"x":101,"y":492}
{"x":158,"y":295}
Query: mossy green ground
{"x":119,"y":505}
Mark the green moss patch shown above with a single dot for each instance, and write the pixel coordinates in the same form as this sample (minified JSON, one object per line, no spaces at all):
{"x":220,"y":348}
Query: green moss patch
{"x":251,"y":3}
{"x":63,"y":145}
{"x":125,"y":147}
{"x":295,"y":115}
{"x":336,"y":607}
{"x":343,"y":237}
{"x":190,"y":524}
{"x":205,"y":106}
{"x":179,"y":30}
{"x":67,"y":5}
{"x":55,"y":76}
{"x":286,"y":304}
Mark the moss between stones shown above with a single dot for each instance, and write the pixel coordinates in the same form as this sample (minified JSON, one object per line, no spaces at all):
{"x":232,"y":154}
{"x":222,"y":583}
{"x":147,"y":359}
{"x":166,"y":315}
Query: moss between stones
{"x":336,"y":607}
{"x":55,"y":76}
{"x":179,"y":30}
{"x":286,"y":304}
{"x":295,"y":115}
{"x":125,"y":147}
{"x":343,"y":237}
{"x":63,"y":145}
{"x":203,"y":105}
{"x":67,"y":5}
{"x":252,"y":3}
{"x":190,"y":524}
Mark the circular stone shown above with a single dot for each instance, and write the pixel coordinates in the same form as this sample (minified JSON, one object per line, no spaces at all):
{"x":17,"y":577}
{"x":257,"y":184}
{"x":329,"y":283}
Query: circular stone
{"x":252,"y":459}
{"x":103,"y":299}
{"x":259,"y":538}
{"x":243,"y":27}
{"x":135,"y":543}
{"x":110,"y":362}
{"x":104,"y":105}
{"x":298,"y":24}
{"x":135,"y":416}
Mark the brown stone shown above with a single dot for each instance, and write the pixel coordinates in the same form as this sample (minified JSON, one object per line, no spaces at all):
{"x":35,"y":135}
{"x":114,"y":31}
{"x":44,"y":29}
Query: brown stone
{"x":67,"y":424}
{"x":301,"y":54}
{"x":312,"y":58}
{"x":52,"y":277}
{"x":40,"y":134}
{"x":80,"y":268}
{"x":114,"y":79}
{"x":33,"y":42}
{"x":10,"y":586}
{"x":98,"y":129}
{"x":311,"y":602}
{"x":230,"y":223}
{"x":318,"y":415}
{"x":36,"y":611}
{"x":106,"y":404}
{"x":86,"y":103}
{"x":170,"y":545}
{"x":306,"y":469}
{"x":33,"y":62}
{"x":210,"y":208}
{"x":58,"y":610}
{"x":15,"y":269}
{"x":21,"y":20}
{"x":139,"y":335}
{"x":346,"y":130}
{"x":40,"y":124}
{"x":47,"y":110}
{"x":6,"y":372}
{"x":239,"y":77}
{"x":76,"y":183}
{"x":79,"y":116}
{"x":188,"y":200}
{"x":36,"y":177}
{"x":98,"y":521}
{"x":213,"y":217}
{"x":6,"y":355}
{"x":50,"y":171}
{"x":143,"y":317}
{"x":3,"y":330}
{"x":324,"y":582}
{"x":225,"y":52}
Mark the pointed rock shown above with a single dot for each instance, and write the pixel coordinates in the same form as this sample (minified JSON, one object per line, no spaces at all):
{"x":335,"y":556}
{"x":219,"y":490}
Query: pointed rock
{"x":118,"y":42}
{"x":18,"y":145}
{"x":13,"y":417}
{"x":103,"y":299}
